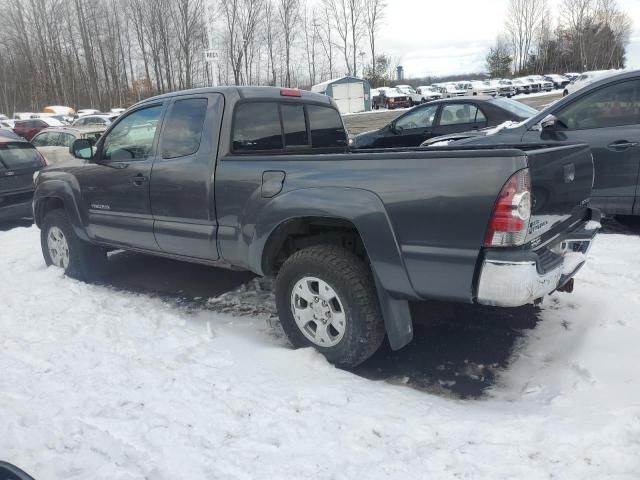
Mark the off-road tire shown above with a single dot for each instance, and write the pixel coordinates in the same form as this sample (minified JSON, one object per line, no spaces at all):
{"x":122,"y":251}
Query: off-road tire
{"x":86,"y":261}
{"x":353,"y":281}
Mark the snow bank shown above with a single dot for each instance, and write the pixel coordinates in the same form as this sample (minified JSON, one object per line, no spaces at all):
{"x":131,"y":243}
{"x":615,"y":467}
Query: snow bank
{"x":99,"y":383}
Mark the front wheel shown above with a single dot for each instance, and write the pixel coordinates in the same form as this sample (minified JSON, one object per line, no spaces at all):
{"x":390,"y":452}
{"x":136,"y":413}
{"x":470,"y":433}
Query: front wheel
{"x":63,"y":248}
{"x":326,"y":299}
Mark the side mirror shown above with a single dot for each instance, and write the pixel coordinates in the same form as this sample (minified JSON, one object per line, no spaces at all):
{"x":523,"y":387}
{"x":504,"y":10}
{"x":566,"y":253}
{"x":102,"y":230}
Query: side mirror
{"x":82,"y":149}
{"x":549,"y":123}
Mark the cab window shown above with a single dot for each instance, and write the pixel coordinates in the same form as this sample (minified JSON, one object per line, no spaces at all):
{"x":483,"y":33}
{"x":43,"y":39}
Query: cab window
{"x":326,"y":127}
{"x":611,"y":106}
{"x":132,"y":138}
{"x":256,"y":126}
{"x":294,"y":126}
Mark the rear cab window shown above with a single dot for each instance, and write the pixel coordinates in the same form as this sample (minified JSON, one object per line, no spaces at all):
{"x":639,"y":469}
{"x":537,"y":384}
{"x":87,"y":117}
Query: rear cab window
{"x":279,"y":127}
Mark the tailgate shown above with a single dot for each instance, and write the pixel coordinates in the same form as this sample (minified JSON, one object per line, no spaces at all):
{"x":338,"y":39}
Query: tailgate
{"x":561,"y":182}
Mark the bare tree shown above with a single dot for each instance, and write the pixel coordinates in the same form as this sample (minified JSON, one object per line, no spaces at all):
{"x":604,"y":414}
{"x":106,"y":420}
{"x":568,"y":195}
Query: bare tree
{"x":289,"y":14}
{"x":373,"y":17}
{"x":338,"y":12}
{"x":524,"y":18}
{"x":325,"y":29}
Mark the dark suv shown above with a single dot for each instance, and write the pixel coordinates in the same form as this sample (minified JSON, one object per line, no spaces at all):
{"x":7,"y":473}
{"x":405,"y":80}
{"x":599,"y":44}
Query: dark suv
{"x":19,"y":160}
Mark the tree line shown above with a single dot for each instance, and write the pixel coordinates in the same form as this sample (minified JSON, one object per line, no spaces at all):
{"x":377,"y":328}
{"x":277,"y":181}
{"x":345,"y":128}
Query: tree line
{"x":586,"y":35}
{"x":111,"y":53}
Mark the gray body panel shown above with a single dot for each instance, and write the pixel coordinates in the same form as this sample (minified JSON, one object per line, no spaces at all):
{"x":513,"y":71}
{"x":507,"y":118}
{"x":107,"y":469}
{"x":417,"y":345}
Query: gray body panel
{"x":423,"y":207}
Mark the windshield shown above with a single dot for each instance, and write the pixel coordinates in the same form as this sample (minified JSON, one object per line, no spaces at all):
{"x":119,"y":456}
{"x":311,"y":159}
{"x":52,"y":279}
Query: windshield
{"x":517,"y":108}
{"x":19,"y":155}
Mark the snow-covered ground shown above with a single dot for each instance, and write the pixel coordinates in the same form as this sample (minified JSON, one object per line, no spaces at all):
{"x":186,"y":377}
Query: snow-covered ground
{"x":104,"y":384}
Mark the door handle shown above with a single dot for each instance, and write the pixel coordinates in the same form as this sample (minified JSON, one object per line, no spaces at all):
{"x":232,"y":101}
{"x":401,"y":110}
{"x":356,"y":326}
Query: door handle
{"x":621,"y":145}
{"x":139,"y":179}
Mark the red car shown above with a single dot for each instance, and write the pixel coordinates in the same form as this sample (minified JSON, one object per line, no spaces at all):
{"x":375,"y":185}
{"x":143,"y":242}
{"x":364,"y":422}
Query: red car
{"x":28,"y":128}
{"x":392,"y":98}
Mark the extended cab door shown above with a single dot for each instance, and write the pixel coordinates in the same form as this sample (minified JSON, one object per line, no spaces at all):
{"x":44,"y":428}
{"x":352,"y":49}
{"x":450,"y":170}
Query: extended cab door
{"x":182,"y":180}
{"x":608,"y":120}
{"x":115,"y":185}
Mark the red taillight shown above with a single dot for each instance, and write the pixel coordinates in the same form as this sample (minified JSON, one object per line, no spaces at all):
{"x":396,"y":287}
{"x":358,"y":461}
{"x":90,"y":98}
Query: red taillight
{"x":290,"y":92}
{"x":511,"y":213}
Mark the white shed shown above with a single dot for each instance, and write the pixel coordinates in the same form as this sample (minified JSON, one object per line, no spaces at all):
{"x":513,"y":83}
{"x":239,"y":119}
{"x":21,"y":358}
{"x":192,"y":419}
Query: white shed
{"x":351,"y":94}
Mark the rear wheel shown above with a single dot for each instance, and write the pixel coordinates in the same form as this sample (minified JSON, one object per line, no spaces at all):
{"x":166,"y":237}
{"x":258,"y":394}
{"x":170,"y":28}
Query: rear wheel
{"x":326,"y":299}
{"x":63,"y":248}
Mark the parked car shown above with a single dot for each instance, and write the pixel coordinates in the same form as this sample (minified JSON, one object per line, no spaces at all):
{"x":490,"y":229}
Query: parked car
{"x":7,"y":124}
{"x":392,"y":98}
{"x":9,"y":134}
{"x":571,"y":75}
{"x":19,"y":160}
{"x":545,"y":85}
{"x":451,"y":90}
{"x":521,"y":85}
{"x":28,"y":128}
{"x":443,"y":117}
{"x":22,"y":115}
{"x":350,"y":237}
{"x":117,"y":111}
{"x":604,"y":115}
{"x":54,"y":143}
{"x":87,"y":111}
{"x":97,"y":119}
{"x":585,"y":79}
{"x":559,"y":81}
{"x":61,"y":118}
{"x":428,"y":93}
{"x":535,"y":85}
{"x":482,"y":88}
{"x":414,"y":97}
{"x":505,"y":89}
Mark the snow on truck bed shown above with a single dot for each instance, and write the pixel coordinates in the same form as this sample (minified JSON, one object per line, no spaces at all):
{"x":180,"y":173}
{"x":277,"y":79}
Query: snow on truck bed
{"x":99,"y":383}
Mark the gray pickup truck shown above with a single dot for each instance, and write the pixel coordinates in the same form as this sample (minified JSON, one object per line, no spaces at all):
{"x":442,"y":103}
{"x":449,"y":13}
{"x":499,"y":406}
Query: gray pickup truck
{"x":262,"y":179}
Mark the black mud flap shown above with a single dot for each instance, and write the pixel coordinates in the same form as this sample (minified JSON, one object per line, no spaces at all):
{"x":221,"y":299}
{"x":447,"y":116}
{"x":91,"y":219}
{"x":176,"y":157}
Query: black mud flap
{"x":397,"y":318}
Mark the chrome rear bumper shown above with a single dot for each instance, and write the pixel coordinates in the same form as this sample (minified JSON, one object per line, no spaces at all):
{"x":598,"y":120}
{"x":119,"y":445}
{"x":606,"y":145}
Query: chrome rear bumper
{"x":515,"y":278}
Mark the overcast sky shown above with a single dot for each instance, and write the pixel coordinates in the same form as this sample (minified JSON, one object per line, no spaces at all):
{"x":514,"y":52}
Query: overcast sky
{"x":438,"y":37}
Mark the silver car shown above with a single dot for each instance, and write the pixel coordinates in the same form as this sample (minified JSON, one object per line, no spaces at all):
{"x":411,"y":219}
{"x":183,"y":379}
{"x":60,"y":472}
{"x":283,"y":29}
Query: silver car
{"x":53,"y":143}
